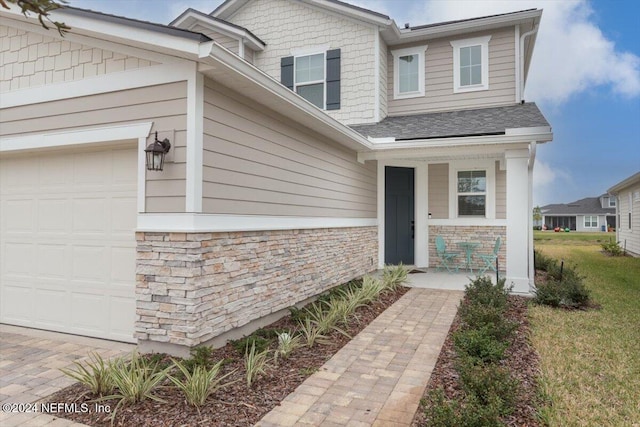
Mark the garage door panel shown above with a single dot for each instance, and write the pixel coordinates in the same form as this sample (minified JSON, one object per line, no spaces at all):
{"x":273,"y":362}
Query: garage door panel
{"x":17,"y":302}
{"x":68,"y":241}
{"x":90,"y":262}
{"x":18,"y":259}
{"x":51,"y":305}
{"x":89,"y":313}
{"x":90,"y":215}
{"x":18,"y":215}
{"x":52,"y":261}
{"x":123,"y":264}
{"x":53,"y":215}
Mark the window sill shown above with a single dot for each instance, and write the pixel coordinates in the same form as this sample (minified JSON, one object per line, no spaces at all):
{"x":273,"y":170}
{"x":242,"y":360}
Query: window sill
{"x":408,"y":95}
{"x":474,"y":88}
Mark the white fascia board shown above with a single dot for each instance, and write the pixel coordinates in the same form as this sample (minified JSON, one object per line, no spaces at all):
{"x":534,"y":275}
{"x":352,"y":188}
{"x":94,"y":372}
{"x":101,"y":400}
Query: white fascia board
{"x":191,"y":18}
{"x":467,"y":26}
{"x":633,"y":179}
{"x":222,"y":58}
{"x":381,"y":140}
{"x":79,"y":136}
{"x":122,"y":80}
{"x":199,"y":223}
{"x":345,"y":11}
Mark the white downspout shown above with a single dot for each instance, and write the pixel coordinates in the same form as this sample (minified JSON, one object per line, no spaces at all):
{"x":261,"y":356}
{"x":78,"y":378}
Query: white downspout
{"x":532,"y":268}
{"x":522,"y":37}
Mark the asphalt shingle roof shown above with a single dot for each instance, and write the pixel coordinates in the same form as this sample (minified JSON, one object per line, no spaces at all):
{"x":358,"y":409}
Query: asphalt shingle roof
{"x":589,"y":205}
{"x":478,"y":122}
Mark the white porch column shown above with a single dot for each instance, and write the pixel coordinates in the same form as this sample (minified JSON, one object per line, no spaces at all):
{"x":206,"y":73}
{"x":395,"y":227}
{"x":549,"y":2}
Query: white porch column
{"x":517,"y":162}
{"x":421,"y":232}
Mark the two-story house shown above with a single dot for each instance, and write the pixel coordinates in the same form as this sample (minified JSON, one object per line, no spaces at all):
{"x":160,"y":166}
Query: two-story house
{"x":588,"y":214}
{"x":310,"y":142}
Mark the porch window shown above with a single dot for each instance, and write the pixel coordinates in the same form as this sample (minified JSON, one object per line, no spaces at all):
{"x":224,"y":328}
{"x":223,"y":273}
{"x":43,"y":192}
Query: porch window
{"x":590,"y":221}
{"x":472,"y":193}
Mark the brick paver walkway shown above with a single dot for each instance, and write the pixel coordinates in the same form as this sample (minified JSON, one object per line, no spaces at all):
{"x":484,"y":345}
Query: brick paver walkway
{"x":379,"y":377}
{"x":30,"y":362}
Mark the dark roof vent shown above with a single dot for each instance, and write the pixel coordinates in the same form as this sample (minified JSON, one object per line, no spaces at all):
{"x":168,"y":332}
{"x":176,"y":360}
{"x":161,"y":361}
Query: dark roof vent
{"x":406,"y":26}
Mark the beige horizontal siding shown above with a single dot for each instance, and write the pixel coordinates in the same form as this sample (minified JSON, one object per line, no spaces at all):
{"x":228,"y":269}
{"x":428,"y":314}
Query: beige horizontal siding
{"x":439,"y":190}
{"x":501,"y":192}
{"x":257,"y":162}
{"x":164,"y":105}
{"x":439,"y":77}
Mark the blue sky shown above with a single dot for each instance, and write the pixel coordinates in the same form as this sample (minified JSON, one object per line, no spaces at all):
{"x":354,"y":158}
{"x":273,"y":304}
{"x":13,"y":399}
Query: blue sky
{"x":585,"y":77}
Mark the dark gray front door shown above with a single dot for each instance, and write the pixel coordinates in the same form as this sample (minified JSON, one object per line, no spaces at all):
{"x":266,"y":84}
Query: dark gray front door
{"x":398,"y":216}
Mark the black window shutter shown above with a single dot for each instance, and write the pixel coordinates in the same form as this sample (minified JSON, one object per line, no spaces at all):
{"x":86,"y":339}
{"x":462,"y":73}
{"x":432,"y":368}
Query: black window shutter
{"x":286,"y":71}
{"x":333,"y":79}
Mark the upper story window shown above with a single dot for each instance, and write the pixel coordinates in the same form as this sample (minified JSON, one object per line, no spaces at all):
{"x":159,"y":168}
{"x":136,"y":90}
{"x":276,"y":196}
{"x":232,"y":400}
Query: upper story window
{"x":314,"y":74}
{"x":472,"y":193}
{"x":471,"y":64}
{"x":612,"y":202}
{"x":309,"y":78}
{"x":408,"y":72}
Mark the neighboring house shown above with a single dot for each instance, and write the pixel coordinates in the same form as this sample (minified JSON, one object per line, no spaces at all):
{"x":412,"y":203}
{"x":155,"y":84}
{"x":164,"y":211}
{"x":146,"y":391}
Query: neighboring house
{"x":311,"y":142}
{"x":588,"y":214}
{"x":628,"y":211}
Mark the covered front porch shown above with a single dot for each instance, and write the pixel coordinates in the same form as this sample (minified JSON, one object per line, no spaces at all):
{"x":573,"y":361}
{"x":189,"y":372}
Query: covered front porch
{"x":434,"y":279}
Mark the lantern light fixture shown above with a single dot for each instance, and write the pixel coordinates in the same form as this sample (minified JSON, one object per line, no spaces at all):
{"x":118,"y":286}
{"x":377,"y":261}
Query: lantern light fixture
{"x":156,"y":152}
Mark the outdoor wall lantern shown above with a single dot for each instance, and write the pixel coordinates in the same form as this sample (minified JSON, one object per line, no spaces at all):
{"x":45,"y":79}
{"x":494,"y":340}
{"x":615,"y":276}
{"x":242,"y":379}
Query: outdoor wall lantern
{"x":156,"y":152}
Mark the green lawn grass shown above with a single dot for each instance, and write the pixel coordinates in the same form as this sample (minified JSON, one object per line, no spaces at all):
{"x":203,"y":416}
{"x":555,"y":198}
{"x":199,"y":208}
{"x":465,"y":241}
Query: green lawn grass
{"x":572,"y":238}
{"x":591,"y":360}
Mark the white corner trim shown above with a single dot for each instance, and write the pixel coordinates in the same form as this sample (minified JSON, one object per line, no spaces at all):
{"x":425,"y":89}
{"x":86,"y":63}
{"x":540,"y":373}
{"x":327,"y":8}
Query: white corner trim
{"x":77,"y":136}
{"x":195,"y":125}
{"x":397,"y":53}
{"x":517,"y":64}
{"x":147,"y":76}
{"x":199,"y":223}
{"x":484,"y":49}
{"x":142,"y":174}
{"x":376,"y":75}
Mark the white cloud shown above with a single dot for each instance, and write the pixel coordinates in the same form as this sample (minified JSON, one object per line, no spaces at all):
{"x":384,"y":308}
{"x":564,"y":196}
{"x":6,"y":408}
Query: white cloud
{"x":546,"y":180}
{"x":571,"y":55}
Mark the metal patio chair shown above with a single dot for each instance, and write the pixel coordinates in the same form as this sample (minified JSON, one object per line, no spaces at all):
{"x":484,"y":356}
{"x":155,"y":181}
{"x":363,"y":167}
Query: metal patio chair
{"x":490,"y":259}
{"x":444,"y":256}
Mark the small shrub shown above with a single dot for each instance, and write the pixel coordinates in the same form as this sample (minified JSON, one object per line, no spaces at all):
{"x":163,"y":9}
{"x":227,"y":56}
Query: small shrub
{"x":478,"y":316}
{"x":259,"y":342}
{"x":576,"y":294}
{"x":490,"y":383}
{"x":255,"y":363}
{"x":135,"y":381}
{"x":200,"y":357}
{"x":94,"y":374}
{"x":479,"y":344}
{"x":564,"y":289}
{"x":548,"y":293}
{"x":370,"y":289}
{"x":441,"y":412}
{"x":287,"y":343}
{"x":543,"y":262}
{"x":310,"y":333}
{"x":199,"y":382}
{"x":483,"y":291}
{"x":394,"y":276}
{"x":612,"y":248}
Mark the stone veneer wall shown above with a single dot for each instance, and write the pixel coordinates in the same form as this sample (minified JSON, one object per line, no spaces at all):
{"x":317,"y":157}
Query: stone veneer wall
{"x":194,"y":287}
{"x":485,"y":235}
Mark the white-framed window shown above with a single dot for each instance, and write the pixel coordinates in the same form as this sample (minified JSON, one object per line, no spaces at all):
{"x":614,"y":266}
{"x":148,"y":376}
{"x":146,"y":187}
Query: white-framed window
{"x":471,"y":64}
{"x":590,"y":221}
{"x":472,"y":193}
{"x":309,"y":78}
{"x":408,"y":72}
{"x":612,"y":202}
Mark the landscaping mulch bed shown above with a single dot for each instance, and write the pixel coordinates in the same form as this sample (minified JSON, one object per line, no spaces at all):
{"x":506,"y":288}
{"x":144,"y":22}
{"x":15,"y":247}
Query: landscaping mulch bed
{"x":522,"y":361}
{"x":236,"y":405}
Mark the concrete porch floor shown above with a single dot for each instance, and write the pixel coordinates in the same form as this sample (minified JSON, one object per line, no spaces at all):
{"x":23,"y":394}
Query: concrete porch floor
{"x":434,"y":279}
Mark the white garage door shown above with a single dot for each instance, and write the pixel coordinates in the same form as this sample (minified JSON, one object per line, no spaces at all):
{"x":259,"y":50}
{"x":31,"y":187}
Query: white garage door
{"x":67,"y":260}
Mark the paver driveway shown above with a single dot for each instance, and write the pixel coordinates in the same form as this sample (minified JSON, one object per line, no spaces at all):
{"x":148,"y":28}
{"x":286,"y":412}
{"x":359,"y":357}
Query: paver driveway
{"x":30,"y":362}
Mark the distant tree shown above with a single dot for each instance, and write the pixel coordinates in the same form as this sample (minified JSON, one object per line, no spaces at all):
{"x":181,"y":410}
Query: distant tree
{"x":537,"y":214}
{"x":41,"y":8}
